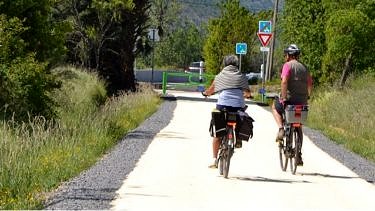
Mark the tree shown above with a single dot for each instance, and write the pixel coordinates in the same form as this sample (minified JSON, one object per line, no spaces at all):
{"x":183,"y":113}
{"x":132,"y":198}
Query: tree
{"x":25,"y":84}
{"x":91,"y":22}
{"x":107,"y":36}
{"x":302,"y":23}
{"x":335,"y":36}
{"x":181,"y":47}
{"x":44,"y":34}
{"x":348,"y":34}
{"x":234,"y":25}
{"x":163,"y":14}
{"x":118,"y":60}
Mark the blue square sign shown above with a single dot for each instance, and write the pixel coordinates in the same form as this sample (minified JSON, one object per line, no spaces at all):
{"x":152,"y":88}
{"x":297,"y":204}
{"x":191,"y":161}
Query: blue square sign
{"x":265,"y":27}
{"x":241,"y":48}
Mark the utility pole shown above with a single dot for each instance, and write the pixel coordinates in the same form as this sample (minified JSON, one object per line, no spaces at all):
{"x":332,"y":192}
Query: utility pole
{"x":270,"y":54}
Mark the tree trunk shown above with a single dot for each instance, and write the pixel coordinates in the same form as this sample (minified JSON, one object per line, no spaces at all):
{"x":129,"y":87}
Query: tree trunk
{"x":346,"y":70}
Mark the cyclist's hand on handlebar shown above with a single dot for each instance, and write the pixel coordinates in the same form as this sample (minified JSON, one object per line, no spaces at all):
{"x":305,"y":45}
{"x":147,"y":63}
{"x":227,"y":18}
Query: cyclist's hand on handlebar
{"x":282,"y":102}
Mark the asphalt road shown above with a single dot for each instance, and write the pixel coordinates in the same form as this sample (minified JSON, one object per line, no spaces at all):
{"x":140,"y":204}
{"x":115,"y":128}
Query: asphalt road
{"x":163,"y":165}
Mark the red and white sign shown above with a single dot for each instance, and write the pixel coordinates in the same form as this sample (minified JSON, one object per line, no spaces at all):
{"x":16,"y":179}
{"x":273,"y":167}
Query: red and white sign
{"x":264,"y":38}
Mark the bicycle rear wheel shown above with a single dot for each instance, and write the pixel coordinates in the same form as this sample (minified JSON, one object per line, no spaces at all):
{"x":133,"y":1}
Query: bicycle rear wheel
{"x":282,"y":155}
{"x":227,"y":157}
{"x":222,"y":153}
{"x":296,"y":136}
{"x":221,"y":164}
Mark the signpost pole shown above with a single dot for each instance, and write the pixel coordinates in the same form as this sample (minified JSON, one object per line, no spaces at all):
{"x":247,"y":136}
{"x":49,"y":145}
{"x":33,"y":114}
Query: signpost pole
{"x":240,"y":62}
{"x":152,"y":59}
{"x":262,"y":70}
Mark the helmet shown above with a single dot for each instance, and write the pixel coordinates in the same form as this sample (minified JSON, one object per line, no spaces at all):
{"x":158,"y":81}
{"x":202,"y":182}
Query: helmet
{"x":292,"y":50}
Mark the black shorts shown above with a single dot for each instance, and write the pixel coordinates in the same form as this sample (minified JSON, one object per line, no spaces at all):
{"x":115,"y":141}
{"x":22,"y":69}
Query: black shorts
{"x":228,"y":108}
{"x":278,"y":106}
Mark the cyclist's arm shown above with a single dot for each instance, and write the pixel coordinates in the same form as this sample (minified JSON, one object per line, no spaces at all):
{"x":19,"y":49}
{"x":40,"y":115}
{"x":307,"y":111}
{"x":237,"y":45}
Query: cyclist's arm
{"x":247,"y":93}
{"x":284,"y":80}
{"x":284,"y":87}
{"x":210,"y":90}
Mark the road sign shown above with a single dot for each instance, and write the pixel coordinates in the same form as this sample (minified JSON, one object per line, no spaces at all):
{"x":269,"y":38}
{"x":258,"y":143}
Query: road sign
{"x":153,"y":35}
{"x":264,"y":49}
{"x":264,"y":38}
{"x":241,"y":48}
{"x":265,"y":27}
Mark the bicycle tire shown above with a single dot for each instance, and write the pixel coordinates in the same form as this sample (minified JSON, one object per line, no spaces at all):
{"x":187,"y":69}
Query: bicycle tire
{"x":298,"y":146}
{"x":282,"y":155}
{"x":296,"y":136}
{"x":222,"y":155}
{"x":221,"y":164}
{"x":228,"y":156}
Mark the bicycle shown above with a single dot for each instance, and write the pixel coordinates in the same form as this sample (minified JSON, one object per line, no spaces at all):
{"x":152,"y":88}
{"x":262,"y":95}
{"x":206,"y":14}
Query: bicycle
{"x":227,"y":143}
{"x":290,"y":146}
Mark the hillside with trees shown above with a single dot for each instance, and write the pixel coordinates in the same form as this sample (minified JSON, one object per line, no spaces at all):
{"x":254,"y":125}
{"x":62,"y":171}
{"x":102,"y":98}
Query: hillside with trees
{"x":200,"y":11}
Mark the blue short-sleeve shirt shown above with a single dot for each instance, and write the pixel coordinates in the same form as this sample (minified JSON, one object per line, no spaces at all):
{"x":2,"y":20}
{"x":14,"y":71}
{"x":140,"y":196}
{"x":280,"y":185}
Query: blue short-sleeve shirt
{"x":231,"y":97}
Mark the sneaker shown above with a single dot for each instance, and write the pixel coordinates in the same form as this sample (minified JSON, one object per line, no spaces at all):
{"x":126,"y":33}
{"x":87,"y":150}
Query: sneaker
{"x":213,"y":165}
{"x":238,"y":144}
{"x":280,"y":134}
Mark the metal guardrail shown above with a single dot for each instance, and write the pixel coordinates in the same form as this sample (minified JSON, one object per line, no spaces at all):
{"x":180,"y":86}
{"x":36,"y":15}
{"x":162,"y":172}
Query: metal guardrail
{"x":193,"y":79}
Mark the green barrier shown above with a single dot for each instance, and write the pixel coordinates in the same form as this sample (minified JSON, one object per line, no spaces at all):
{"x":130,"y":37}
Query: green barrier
{"x":203,"y":78}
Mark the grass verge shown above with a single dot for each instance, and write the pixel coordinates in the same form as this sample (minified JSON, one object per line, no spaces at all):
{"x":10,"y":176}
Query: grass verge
{"x":38,"y":155}
{"x":346,"y":115}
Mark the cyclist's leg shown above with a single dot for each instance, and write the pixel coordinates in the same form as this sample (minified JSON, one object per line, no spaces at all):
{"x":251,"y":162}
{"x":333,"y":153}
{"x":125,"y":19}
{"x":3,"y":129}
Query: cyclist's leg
{"x":277,"y":111}
{"x":215,"y":150}
{"x":215,"y":146}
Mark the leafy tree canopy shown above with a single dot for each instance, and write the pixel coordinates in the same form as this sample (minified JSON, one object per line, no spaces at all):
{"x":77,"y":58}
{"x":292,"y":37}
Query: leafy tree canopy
{"x":236,"y":24}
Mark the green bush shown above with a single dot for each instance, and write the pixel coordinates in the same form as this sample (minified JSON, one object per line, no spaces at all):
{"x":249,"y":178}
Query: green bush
{"x":25,"y":84}
{"x":24,"y":89}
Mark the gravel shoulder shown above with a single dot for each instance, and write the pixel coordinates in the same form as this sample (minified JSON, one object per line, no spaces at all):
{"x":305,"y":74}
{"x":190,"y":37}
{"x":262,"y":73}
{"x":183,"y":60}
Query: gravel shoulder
{"x":96,"y":187}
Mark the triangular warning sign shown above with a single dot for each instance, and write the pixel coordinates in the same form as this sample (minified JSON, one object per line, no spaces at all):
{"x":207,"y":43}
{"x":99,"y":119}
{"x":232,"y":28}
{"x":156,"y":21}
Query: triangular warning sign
{"x":264,"y":38}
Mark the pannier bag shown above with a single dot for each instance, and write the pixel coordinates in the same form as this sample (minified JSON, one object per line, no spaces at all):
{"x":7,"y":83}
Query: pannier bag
{"x":244,"y":127}
{"x":296,"y":113}
{"x":218,"y":124}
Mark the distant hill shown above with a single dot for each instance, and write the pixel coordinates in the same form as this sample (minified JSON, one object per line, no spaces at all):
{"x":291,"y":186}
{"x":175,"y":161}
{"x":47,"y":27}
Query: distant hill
{"x":201,"y":10}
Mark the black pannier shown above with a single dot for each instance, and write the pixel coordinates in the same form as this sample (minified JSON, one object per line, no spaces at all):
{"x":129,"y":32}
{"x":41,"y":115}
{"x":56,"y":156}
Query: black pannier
{"x":244,"y":127}
{"x":217,"y":124}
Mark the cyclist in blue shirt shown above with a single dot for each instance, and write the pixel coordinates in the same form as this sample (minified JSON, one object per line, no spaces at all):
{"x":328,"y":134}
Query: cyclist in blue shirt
{"x":232,"y":87}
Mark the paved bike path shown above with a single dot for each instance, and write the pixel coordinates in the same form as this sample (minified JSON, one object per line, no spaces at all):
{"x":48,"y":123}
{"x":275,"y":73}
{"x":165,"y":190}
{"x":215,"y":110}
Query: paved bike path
{"x":173,"y":175}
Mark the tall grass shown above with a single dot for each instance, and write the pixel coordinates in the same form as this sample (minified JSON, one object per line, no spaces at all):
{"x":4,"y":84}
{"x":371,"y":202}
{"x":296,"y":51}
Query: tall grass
{"x":347,"y":115}
{"x":38,"y":155}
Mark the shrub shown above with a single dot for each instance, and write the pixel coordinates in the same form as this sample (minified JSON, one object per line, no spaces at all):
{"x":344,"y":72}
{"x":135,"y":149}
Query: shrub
{"x":24,"y":89}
